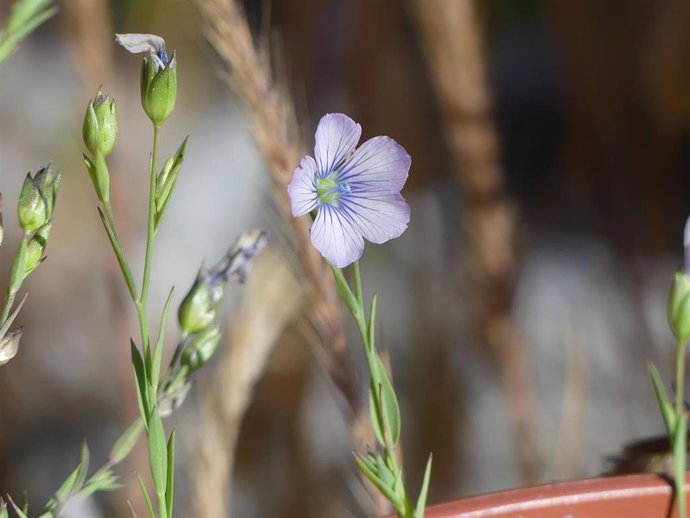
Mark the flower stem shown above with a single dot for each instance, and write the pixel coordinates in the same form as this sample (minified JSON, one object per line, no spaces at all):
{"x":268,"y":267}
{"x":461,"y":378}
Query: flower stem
{"x":680,"y":433}
{"x":355,"y":303}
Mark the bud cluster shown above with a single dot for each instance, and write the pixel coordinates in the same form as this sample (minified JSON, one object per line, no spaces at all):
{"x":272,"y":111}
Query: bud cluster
{"x":34,"y":212}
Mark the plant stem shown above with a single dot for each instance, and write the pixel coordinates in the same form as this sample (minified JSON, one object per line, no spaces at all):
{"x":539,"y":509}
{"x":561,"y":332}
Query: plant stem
{"x":143,"y":297}
{"x":680,"y":435}
{"x":359,"y":314}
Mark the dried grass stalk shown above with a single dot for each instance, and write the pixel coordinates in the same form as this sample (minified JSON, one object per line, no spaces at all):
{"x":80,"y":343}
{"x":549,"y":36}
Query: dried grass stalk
{"x":273,"y":300}
{"x":452,"y":42}
{"x":249,"y":73}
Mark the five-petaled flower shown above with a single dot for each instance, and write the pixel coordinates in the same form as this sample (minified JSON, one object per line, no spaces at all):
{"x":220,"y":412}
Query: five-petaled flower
{"x":355,"y":192}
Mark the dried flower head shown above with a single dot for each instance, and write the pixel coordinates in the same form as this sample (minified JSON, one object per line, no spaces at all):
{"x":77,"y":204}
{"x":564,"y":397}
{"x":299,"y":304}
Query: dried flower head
{"x":356,"y":192}
{"x":9,"y":345}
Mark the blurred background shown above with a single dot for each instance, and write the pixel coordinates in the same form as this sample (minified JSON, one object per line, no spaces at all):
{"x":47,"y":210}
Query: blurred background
{"x":549,"y":188}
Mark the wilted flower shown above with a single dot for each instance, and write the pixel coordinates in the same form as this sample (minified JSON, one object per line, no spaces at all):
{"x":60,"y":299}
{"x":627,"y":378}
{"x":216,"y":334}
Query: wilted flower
{"x":356,"y":192}
{"x":158,"y":75}
{"x":9,"y":345}
{"x":173,"y":398}
{"x":198,"y":309}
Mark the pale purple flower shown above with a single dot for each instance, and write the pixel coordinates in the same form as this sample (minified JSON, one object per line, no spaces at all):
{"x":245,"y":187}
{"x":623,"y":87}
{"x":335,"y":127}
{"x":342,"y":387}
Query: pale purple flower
{"x":355,"y":192}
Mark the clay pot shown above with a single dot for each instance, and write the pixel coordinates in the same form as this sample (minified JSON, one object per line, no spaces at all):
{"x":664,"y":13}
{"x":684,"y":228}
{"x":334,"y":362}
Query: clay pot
{"x":631,"y":496}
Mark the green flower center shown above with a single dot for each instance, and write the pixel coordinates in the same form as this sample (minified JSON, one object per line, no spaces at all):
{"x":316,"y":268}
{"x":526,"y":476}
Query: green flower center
{"x":328,"y":191}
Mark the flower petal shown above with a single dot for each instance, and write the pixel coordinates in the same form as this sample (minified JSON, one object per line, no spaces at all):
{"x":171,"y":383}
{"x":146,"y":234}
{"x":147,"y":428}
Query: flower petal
{"x":379,"y":217}
{"x":334,"y":235}
{"x":302,"y":187}
{"x":336,"y":138}
{"x":379,"y":165}
{"x":139,"y":43}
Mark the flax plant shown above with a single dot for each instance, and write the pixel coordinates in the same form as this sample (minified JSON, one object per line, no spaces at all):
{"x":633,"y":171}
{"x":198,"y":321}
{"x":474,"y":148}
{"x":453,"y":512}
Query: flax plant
{"x":354,"y":195}
{"x":674,"y":412}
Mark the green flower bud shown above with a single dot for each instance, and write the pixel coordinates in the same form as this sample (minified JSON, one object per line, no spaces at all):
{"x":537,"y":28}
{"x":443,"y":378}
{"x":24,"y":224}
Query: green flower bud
{"x":32,"y":209}
{"x":197,"y":309}
{"x":679,"y":306}
{"x":9,"y":345}
{"x":159,"y":88}
{"x":200,"y":349}
{"x":100,"y":125}
{"x":36,"y":248}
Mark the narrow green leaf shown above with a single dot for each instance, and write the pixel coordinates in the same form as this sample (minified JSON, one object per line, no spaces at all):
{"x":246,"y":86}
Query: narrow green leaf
{"x":160,"y":343}
{"x":158,"y":454}
{"x":83,"y":468}
{"x":421,"y":501}
{"x":170,"y":480}
{"x":3,"y":509}
{"x":147,"y":498}
{"x":378,"y":483}
{"x":667,"y":412}
{"x":140,"y":378}
{"x":384,"y":414}
{"x":63,"y":491}
{"x":126,"y":442}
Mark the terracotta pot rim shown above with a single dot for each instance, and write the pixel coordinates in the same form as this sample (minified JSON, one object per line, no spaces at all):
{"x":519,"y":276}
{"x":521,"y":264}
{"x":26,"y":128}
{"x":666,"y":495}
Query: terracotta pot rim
{"x":562,"y":495}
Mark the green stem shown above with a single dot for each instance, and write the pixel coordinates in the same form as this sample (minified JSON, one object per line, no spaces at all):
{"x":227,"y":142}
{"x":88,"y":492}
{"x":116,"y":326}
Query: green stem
{"x":9,"y":302}
{"x":143,"y":298}
{"x":680,"y":435}
{"x":359,"y":314}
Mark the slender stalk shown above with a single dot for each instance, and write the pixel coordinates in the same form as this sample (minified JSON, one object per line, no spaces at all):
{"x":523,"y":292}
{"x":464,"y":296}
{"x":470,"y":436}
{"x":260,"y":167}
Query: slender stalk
{"x":680,"y":435}
{"x":150,"y":232}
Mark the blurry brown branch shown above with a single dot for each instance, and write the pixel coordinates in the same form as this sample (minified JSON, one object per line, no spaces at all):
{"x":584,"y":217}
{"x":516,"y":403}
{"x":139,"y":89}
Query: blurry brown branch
{"x":273,"y":301}
{"x":249,"y":73}
{"x":452,"y":41}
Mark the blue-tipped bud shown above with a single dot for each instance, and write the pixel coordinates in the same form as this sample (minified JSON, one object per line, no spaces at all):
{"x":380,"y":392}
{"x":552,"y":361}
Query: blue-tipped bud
{"x":100,"y":125}
{"x":200,"y":349}
{"x":158,"y":74}
{"x":159,"y":87}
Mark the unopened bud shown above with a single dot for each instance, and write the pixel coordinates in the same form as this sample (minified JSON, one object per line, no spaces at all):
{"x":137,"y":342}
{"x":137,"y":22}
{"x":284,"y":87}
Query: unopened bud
{"x":32,"y":209}
{"x":9,"y":345}
{"x":197,"y":309}
{"x":679,"y":306}
{"x":200,"y":349}
{"x":100,"y":125}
